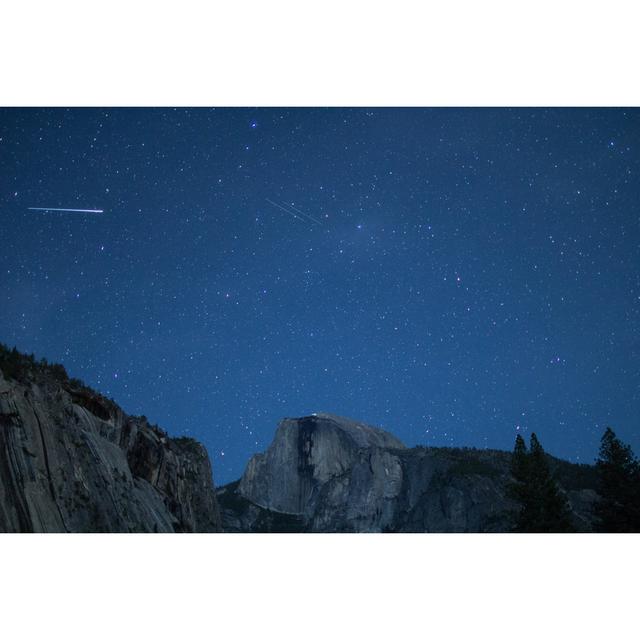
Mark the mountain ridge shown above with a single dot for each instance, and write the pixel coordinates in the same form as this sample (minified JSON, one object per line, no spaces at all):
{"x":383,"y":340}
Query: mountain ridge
{"x":73,"y":460}
{"x":312,"y":479}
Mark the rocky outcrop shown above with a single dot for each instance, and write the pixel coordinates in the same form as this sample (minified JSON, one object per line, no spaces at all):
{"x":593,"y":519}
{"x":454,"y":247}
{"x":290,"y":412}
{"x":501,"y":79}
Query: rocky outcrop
{"x":73,"y":461}
{"x":325,"y":473}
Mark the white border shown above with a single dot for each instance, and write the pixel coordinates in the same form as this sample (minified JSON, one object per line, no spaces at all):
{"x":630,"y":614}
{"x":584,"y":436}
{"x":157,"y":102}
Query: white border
{"x":335,"y":52}
{"x":318,"y":586}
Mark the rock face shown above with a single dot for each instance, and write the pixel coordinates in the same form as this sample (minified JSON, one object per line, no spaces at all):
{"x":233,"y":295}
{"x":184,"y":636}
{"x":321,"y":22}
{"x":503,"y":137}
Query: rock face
{"x":323,"y":473}
{"x":73,"y":461}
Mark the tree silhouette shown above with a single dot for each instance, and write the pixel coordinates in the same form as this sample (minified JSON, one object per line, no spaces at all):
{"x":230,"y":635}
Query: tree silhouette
{"x":542,"y":507}
{"x":619,"y":486}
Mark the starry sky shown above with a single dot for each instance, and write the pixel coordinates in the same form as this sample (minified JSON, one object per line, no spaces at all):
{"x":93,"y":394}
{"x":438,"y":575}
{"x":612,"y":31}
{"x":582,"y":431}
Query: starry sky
{"x":456,"y":276}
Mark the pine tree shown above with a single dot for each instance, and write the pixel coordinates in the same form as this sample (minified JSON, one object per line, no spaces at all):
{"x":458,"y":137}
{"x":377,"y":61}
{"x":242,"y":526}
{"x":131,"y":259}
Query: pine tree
{"x":520,"y":487}
{"x":552,"y":512}
{"x":619,"y":486}
{"x":519,"y":460}
{"x":543,"y":508}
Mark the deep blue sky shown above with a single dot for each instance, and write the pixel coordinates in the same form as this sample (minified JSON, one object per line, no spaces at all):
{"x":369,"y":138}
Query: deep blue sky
{"x":469,"y":273}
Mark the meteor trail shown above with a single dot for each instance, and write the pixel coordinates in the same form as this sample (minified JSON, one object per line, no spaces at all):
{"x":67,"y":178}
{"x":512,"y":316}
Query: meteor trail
{"x":275,"y":204}
{"x":305,"y":214}
{"x":288,"y":208}
{"x":66,"y":210}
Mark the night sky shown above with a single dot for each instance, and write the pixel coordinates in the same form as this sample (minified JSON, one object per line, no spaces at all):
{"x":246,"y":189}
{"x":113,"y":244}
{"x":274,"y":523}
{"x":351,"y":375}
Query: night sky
{"x":456,"y":276}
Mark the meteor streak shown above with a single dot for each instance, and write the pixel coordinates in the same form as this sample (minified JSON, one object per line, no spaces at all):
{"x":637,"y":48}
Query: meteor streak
{"x":308,"y":215}
{"x":275,"y":204}
{"x":290,"y":209}
{"x":66,"y":210}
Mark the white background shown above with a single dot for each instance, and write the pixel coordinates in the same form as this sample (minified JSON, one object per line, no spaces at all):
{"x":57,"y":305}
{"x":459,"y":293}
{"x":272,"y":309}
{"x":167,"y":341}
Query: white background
{"x":278,"y":52}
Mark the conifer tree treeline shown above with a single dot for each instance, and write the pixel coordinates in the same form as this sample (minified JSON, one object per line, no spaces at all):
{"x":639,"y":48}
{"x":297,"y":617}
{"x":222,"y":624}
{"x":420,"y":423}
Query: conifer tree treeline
{"x":542,"y":506}
{"x":619,"y":486}
{"x":23,"y":367}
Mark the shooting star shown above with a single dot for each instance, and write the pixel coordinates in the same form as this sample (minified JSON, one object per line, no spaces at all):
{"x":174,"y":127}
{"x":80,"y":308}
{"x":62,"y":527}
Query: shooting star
{"x":308,"y":215}
{"x":66,"y":210}
{"x":275,"y":204}
{"x":290,"y":209}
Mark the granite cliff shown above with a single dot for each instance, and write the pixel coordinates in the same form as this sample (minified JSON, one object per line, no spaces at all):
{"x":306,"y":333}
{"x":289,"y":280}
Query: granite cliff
{"x":324,"y":473}
{"x":72,"y":461}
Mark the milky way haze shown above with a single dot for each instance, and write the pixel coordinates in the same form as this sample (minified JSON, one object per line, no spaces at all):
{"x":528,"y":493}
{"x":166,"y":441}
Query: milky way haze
{"x":453,"y":275}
